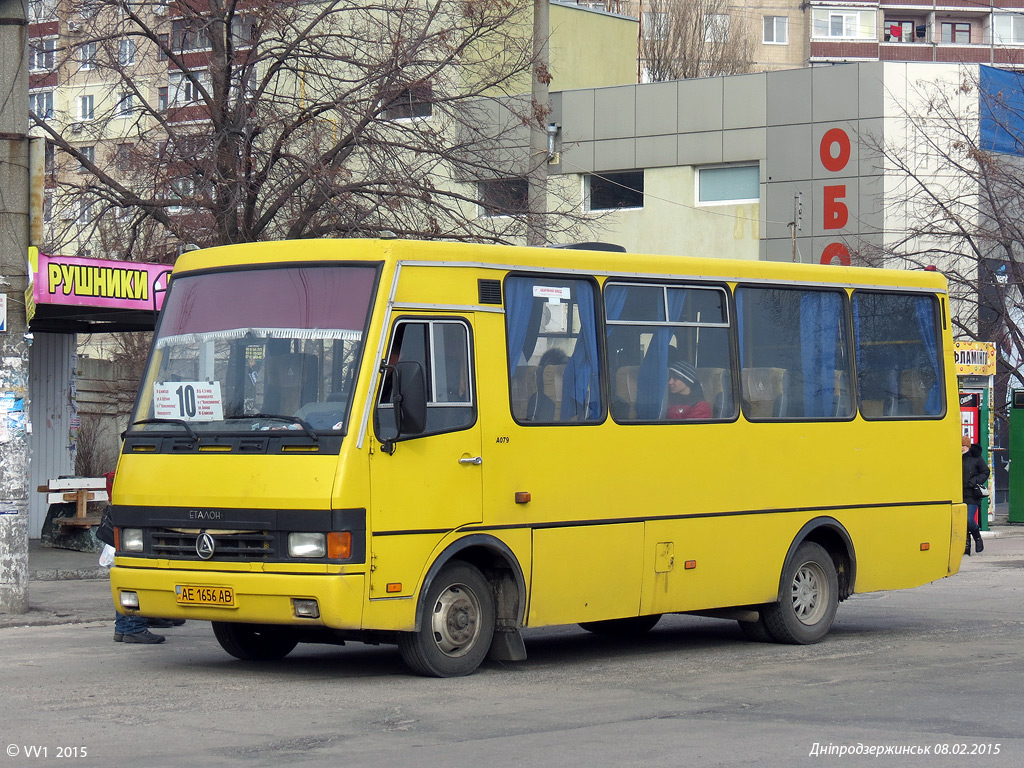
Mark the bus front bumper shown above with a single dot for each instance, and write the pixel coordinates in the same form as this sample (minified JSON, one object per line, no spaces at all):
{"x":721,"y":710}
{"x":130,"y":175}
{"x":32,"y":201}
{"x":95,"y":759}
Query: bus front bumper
{"x":255,"y":598}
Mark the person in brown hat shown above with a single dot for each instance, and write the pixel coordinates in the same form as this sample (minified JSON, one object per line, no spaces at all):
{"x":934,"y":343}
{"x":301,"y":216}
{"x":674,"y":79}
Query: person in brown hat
{"x":685,"y":394}
{"x":975,"y":472}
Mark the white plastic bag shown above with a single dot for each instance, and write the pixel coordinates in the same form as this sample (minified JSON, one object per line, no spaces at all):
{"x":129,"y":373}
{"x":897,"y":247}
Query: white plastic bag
{"x":107,"y":556}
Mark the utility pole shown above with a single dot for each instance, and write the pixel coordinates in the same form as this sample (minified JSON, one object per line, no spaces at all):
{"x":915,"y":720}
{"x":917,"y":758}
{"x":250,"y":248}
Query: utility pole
{"x":14,"y":424}
{"x":537,"y":180}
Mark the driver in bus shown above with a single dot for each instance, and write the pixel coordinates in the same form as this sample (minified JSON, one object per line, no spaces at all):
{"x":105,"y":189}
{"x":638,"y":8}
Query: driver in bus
{"x":685,"y":394}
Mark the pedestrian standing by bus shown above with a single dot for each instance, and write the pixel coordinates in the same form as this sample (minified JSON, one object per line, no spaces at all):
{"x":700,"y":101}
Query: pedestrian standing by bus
{"x":975,"y":476}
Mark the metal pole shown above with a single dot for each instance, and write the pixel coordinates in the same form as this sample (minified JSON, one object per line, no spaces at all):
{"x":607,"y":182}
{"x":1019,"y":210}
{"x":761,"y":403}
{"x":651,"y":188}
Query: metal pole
{"x":14,"y":452}
{"x":537,"y":179}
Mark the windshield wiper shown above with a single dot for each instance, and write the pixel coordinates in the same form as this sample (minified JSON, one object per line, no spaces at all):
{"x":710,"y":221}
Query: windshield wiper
{"x":293,"y":419}
{"x":179,"y":422}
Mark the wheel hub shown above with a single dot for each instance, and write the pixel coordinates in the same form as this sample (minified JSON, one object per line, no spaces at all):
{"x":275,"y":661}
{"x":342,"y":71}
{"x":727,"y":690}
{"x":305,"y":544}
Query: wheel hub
{"x":455,"y":622}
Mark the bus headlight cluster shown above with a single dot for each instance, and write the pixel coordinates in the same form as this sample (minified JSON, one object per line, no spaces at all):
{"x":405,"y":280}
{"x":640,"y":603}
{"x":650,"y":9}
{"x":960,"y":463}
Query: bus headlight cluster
{"x":131,"y":539}
{"x":307,"y":545}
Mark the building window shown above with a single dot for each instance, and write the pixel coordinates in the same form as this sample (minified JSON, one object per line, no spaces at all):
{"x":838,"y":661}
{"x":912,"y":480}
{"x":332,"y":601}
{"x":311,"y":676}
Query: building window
{"x":655,"y":25}
{"x":776,"y":30}
{"x":899,"y":31}
{"x":122,"y":156}
{"x":161,"y":99}
{"x":88,"y":155}
{"x":41,"y":104}
{"x":184,"y":90}
{"x":42,"y":10}
{"x":84,"y":211}
{"x":126,"y":105}
{"x":955,"y":32}
{"x":87,"y":56}
{"x":614,"y":191}
{"x":126,"y":52}
{"x":50,"y":160}
{"x":1009,"y":28}
{"x":86,"y":107}
{"x":728,"y":184}
{"x":163,"y":43}
{"x":504,"y":197}
{"x":181,"y":190}
{"x":412,"y":101}
{"x":41,"y":53}
{"x":189,"y":35}
{"x":716,"y":28}
{"x":845,"y":23}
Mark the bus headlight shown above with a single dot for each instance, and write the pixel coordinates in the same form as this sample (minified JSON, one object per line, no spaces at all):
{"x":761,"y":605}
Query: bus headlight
{"x":307,"y":545}
{"x":131,"y":539}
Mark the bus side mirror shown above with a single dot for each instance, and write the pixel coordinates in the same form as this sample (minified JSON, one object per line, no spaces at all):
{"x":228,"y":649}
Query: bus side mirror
{"x":410,"y":398}
{"x":409,"y":401}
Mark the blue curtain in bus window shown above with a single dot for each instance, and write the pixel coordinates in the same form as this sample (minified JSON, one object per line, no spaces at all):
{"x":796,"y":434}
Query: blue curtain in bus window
{"x":580,"y":379}
{"x":820,"y":314}
{"x":652,"y":379}
{"x":924,"y":312}
{"x":518,"y":306}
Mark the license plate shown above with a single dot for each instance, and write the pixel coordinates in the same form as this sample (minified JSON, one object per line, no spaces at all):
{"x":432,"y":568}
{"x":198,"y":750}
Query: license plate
{"x":193,"y":594}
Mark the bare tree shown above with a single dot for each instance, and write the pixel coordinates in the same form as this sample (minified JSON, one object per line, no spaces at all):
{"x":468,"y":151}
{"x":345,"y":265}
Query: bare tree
{"x":212,"y":122}
{"x":695,"y":38}
{"x":961,"y":207}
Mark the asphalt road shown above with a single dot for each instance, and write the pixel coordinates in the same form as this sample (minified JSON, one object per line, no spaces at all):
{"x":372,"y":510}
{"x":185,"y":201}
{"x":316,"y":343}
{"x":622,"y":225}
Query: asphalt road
{"x":935,"y":672}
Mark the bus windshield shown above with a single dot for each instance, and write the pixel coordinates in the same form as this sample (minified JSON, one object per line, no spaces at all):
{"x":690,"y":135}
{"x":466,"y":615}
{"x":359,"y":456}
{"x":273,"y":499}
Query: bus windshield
{"x":257,"y":349}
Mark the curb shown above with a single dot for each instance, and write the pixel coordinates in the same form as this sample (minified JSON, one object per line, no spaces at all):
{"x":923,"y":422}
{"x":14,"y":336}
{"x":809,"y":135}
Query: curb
{"x":61,"y":574}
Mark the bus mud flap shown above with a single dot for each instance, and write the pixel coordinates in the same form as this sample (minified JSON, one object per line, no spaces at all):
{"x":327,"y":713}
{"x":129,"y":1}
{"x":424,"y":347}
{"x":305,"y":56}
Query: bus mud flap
{"x":507,"y":645}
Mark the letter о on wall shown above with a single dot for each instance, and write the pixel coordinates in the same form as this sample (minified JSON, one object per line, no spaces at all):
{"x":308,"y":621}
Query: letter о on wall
{"x":835,"y":151}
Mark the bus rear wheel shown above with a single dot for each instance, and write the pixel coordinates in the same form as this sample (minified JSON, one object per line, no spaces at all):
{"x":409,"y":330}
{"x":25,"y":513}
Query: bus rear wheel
{"x":456,"y":627}
{"x":255,"y":642}
{"x":628,"y":627}
{"x":809,"y":599}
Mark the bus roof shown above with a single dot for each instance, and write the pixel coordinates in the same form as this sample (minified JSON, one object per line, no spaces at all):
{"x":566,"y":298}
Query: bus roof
{"x":504,"y":257}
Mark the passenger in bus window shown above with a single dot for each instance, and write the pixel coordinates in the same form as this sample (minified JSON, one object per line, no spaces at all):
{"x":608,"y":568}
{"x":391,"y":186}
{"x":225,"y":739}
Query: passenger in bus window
{"x":975,"y":476}
{"x":685,"y":394}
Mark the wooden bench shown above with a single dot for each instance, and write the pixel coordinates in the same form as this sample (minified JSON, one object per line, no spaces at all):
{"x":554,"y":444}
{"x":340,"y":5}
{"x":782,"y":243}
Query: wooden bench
{"x":80,"y":490}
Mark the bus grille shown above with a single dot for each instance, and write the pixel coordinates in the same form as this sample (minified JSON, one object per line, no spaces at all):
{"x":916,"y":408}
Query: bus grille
{"x":247,"y":545}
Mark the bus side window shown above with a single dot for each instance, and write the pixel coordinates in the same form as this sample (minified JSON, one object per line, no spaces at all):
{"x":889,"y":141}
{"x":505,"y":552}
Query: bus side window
{"x":794,"y":353}
{"x":899,"y":365}
{"x":441,"y":347}
{"x":652,"y":326}
{"x":554,"y":368}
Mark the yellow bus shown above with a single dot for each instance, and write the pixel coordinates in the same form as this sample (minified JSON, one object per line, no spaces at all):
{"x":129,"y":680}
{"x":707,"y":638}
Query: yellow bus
{"x":439,"y":444}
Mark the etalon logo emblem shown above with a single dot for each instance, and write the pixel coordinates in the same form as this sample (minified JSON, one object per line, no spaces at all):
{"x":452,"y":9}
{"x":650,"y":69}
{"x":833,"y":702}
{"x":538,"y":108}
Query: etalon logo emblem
{"x":205,"y":546}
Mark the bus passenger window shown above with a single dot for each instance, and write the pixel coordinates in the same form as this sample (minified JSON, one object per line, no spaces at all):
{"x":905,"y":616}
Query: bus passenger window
{"x":552,"y":350}
{"x":899,"y":366}
{"x":441,"y":347}
{"x":669,"y":352}
{"x":794,"y":355}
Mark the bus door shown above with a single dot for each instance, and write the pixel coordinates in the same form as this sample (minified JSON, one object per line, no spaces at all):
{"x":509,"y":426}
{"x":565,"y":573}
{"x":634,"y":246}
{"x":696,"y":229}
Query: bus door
{"x":432,"y":482}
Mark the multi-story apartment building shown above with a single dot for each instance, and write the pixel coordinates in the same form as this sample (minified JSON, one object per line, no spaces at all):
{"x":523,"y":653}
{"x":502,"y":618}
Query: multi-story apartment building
{"x":788,"y":34}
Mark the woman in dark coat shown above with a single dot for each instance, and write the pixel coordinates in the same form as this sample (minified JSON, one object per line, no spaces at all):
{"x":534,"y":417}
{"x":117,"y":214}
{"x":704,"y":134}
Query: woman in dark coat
{"x":975,"y":476}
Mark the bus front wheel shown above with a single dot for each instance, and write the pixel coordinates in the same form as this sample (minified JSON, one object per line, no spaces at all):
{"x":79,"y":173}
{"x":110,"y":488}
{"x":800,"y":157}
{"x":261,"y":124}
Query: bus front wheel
{"x":456,"y":627}
{"x":810,"y":595}
{"x":254,"y":642}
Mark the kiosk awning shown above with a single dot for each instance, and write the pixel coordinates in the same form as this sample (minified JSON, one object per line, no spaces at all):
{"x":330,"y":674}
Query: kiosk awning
{"x":68,"y":294}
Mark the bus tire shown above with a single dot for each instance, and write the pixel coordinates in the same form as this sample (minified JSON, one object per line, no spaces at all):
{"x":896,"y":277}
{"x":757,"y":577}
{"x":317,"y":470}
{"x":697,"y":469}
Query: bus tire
{"x":456,"y":627}
{"x":810,"y":595}
{"x":628,"y":627}
{"x":255,"y":642}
